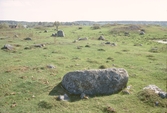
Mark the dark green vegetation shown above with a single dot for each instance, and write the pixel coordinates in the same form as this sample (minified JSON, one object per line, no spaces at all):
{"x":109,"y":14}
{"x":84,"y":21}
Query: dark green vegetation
{"x":28,"y":85}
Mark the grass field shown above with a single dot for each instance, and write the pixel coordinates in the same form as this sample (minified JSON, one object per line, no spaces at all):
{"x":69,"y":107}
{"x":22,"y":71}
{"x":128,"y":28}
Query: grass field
{"x":27,"y":85}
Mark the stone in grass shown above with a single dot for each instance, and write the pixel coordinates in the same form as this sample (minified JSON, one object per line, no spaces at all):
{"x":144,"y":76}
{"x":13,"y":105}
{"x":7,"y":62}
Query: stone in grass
{"x":8,"y":47}
{"x":127,"y":90}
{"x":28,"y":38}
{"x":60,"y":33}
{"x":95,"y":81}
{"x":63,"y":97}
{"x":101,"y":38}
{"x":162,"y":94}
{"x":51,"y":66}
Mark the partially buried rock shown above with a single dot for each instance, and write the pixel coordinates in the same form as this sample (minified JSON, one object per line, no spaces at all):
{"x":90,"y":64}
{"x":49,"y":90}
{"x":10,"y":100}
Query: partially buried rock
{"x":50,"y":66}
{"x":7,"y":47}
{"x":101,"y":38}
{"x":28,"y":38}
{"x":94,"y":82}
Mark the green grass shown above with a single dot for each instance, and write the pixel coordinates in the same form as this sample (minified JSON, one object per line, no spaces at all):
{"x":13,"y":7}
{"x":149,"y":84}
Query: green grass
{"x":27,"y":85}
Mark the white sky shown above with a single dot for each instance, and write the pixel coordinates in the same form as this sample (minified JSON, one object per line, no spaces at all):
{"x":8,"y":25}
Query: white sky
{"x":92,"y":10}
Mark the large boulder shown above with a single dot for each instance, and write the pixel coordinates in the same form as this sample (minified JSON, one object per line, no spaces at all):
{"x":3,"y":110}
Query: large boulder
{"x":94,"y":82}
{"x":60,"y":33}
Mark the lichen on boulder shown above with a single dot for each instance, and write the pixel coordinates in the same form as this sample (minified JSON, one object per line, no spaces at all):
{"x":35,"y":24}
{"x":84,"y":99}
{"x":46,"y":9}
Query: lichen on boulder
{"x":95,"y":81}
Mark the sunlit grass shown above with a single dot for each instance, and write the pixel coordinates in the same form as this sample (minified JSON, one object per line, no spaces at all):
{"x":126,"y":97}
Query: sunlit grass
{"x":28,"y":85}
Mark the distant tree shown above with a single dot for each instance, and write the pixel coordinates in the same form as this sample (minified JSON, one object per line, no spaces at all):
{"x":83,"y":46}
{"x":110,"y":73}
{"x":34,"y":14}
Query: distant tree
{"x":96,"y":26}
{"x":39,"y":23}
{"x":57,"y":24}
{"x":20,"y":25}
{"x":4,"y":25}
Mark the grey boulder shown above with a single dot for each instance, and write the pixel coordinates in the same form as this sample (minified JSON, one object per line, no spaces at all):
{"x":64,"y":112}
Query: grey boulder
{"x":60,"y":33}
{"x":94,"y":82}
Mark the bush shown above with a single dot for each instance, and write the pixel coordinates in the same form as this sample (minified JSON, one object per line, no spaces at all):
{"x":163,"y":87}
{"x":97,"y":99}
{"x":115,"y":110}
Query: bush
{"x":96,"y":26}
{"x":3,"y":26}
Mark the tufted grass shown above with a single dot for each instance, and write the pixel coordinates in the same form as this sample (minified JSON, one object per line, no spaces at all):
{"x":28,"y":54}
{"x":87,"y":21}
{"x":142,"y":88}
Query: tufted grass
{"x":28,"y":85}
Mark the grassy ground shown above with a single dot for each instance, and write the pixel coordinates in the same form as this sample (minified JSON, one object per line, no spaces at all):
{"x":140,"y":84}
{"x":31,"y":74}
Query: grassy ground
{"x":27,"y":85}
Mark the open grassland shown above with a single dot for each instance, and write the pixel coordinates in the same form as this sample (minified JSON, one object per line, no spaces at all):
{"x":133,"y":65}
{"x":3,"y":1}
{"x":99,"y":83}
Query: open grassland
{"x":27,"y":85}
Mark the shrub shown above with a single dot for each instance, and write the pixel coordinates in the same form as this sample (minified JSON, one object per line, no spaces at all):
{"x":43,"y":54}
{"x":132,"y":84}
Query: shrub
{"x":3,"y":26}
{"x":96,"y":26}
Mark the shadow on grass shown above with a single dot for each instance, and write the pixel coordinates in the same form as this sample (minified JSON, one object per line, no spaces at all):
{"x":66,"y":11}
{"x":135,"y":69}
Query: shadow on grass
{"x":59,"y":90}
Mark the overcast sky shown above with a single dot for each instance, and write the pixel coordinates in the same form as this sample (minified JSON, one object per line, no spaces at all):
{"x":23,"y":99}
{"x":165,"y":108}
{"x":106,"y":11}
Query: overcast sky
{"x":92,"y":10}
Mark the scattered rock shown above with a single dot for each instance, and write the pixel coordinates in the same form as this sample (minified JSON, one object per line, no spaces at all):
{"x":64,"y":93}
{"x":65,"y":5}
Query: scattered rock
{"x":27,"y":47}
{"x":63,"y":97}
{"x":162,"y":94}
{"x":126,"y":33}
{"x":97,"y":81}
{"x":113,"y":44}
{"x":28,"y":38}
{"x":142,"y":33}
{"x":60,"y":33}
{"x":39,"y":45}
{"x":79,"y":39}
{"x":54,"y":34}
{"x":101,"y":38}
{"x":107,"y":43}
{"x":16,"y":36}
{"x":51,"y":66}
{"x":8,"y":47}
{"x":127,"y":90}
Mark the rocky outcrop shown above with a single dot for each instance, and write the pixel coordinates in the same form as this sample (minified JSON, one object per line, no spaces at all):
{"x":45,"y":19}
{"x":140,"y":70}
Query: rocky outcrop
{"x":94,"y":82}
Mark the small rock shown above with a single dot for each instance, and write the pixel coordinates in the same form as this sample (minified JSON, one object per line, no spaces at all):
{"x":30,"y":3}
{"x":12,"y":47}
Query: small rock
{"x":51,"y":66}
{"x":126,"y":91}
{"x":28,"y":38}
{"x":162,"y":94}
{"x":156,"y":103}
{"x":101,"y":38}
{"x":113,"y":44}
{"x":63,"y":97}
{"x":107,"y":43}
